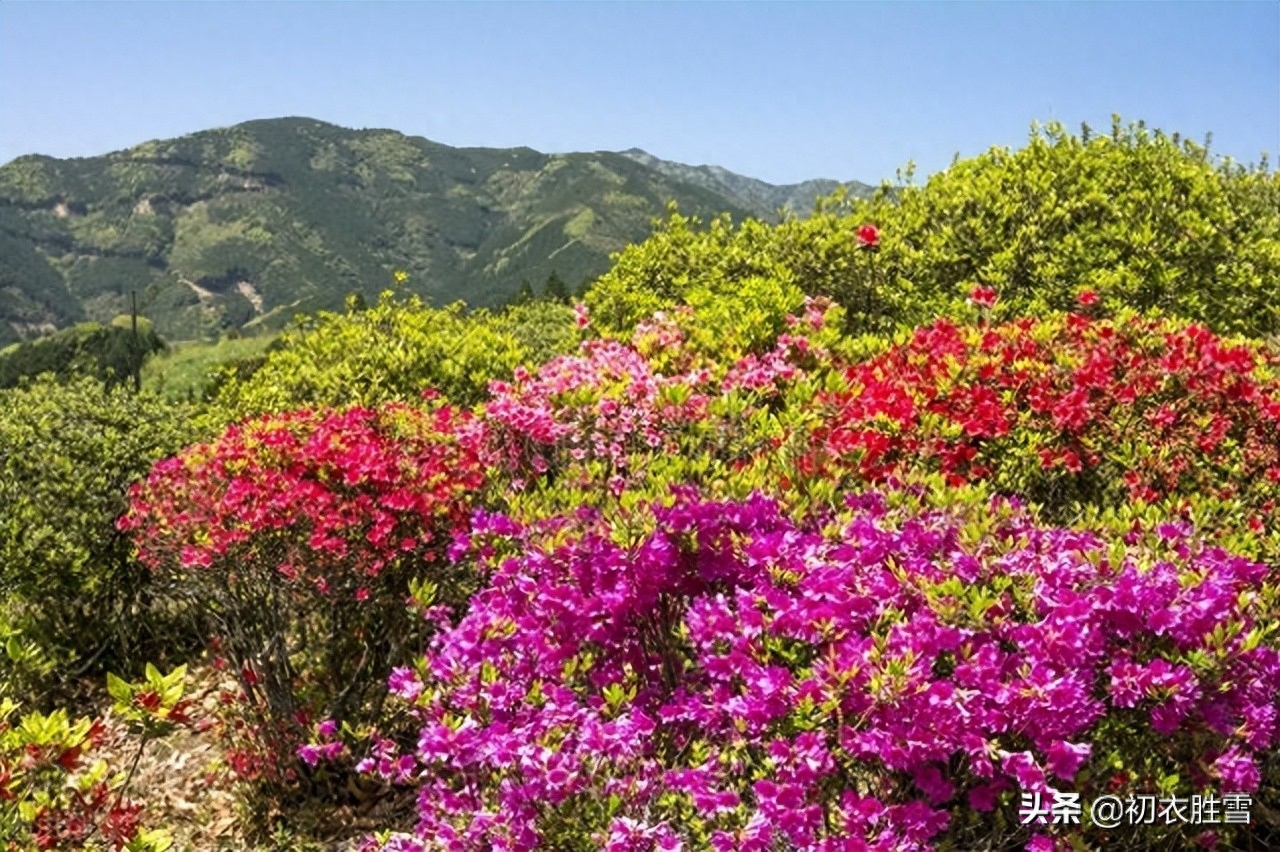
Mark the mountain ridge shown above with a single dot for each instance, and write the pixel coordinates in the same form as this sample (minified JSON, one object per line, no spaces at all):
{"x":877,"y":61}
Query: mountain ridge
{"x":249,"y":224}
{"x":767,"y":199}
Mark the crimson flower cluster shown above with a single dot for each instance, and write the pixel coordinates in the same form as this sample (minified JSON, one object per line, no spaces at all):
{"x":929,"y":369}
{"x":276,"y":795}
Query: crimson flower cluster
{"x":1145,"y":408}
{"x":312,"y":493}
{"x":300,"y":535}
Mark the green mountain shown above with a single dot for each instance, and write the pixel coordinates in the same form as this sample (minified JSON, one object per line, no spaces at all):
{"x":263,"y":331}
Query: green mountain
{"x":251,"y":224}
{"x":765,"y":200}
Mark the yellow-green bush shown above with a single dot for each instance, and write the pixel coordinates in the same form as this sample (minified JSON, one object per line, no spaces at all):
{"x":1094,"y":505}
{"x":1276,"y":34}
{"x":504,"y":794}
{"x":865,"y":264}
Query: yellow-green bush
{"x":390,"y":351}
{"x":542,"y":328}
{"x":73,"y":597}
{"x":1144,"y":220}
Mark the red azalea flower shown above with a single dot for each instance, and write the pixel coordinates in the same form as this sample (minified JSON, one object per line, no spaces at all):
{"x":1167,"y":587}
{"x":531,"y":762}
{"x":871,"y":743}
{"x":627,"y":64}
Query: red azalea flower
{"x":1087,"y":298}
{"x":983,"y":297}
{"x":149,"y":700}
{"x":869,"y":236}
{"x":70,"y":759}
{"x":121,"y":825}
{"x":178,"y":715}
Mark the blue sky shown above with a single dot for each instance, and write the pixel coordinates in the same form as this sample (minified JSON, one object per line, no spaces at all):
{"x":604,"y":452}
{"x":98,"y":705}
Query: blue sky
{"x":782,"y":92}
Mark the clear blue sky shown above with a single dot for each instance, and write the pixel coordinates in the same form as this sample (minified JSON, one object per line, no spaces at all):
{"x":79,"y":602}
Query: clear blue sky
{"x":778,"y":91}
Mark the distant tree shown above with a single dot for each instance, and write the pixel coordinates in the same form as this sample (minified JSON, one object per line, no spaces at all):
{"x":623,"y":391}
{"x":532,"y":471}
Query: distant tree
{"x":109,"y":353}
{"x":555,"y":290}
{"x":524,"y":295}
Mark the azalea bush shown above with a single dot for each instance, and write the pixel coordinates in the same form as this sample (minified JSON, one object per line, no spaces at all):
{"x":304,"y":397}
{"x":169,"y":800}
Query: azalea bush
{"x":882,"y":678}
{"x":303,"y":536}
{"x":675,"y":404}
{"x":1143,"y":219}
{"x":386,"y":352}
{"x":1077,"y":413}
{"x":57,"y":793}
{"x":598,"y":406}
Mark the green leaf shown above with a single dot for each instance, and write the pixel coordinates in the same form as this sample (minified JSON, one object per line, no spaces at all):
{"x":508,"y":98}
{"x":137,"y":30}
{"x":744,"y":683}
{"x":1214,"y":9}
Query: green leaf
{"x":119,"y":690}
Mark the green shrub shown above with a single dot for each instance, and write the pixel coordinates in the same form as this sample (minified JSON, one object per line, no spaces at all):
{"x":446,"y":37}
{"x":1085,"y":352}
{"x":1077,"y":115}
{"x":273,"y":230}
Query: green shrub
{"x":197,"y":370}
{"x":1142,"y":219}
{"x":109,"y":352}
{"x":681,"y":261}
{"x":543,"y":329}
{"x":390,"y":351}
{"x":67,"y":455}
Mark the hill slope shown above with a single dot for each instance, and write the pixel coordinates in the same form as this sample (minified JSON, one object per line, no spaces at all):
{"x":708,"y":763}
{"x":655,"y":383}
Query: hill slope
{"x":763,"y":199}
{"x":251,"y":224}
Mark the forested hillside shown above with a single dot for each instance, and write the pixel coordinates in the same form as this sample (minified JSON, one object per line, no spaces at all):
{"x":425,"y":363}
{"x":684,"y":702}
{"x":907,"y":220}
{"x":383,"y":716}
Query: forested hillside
{"x":252,"y":224}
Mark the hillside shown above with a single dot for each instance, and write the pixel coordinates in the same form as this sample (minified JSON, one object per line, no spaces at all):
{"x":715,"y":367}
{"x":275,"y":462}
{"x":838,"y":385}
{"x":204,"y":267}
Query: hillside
{"x":763,"y":199}
{"x":252,"y":224}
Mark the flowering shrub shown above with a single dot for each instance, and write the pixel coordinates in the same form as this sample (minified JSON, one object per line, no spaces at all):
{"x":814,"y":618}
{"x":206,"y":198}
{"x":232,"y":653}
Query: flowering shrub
{"x":301,"y":534}
{"x":600,"y":405}
{"x":737,"y":680}
{"x":1143,"y":220}
{"x":633,"y":419}
{"x":1070,"y":411}
{"x":53,"y":797}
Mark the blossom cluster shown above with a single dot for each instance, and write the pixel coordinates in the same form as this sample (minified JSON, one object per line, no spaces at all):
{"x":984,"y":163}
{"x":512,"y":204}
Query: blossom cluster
{"x":602,"y":417}
{"x":1111,"y":410}
{"x":312,"y":493}
{"x":303,"y":536}
{"x":809,"y":667}
{"x":601,"y":405}
{"x":739,"y":679}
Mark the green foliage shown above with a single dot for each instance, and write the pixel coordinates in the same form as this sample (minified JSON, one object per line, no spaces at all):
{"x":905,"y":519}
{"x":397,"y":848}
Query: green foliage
{"x":542,"y":329}
{"x":681,"y":262}
{"x":391,"y":351}
{"x":1140,"y":219}
{"x":25,"y":666}
{"x":69,"y":585}
{"x":196,"y":370}
{"x":108,"y":352}
{"x":154,"y":705}
{"x":52,"y":796}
